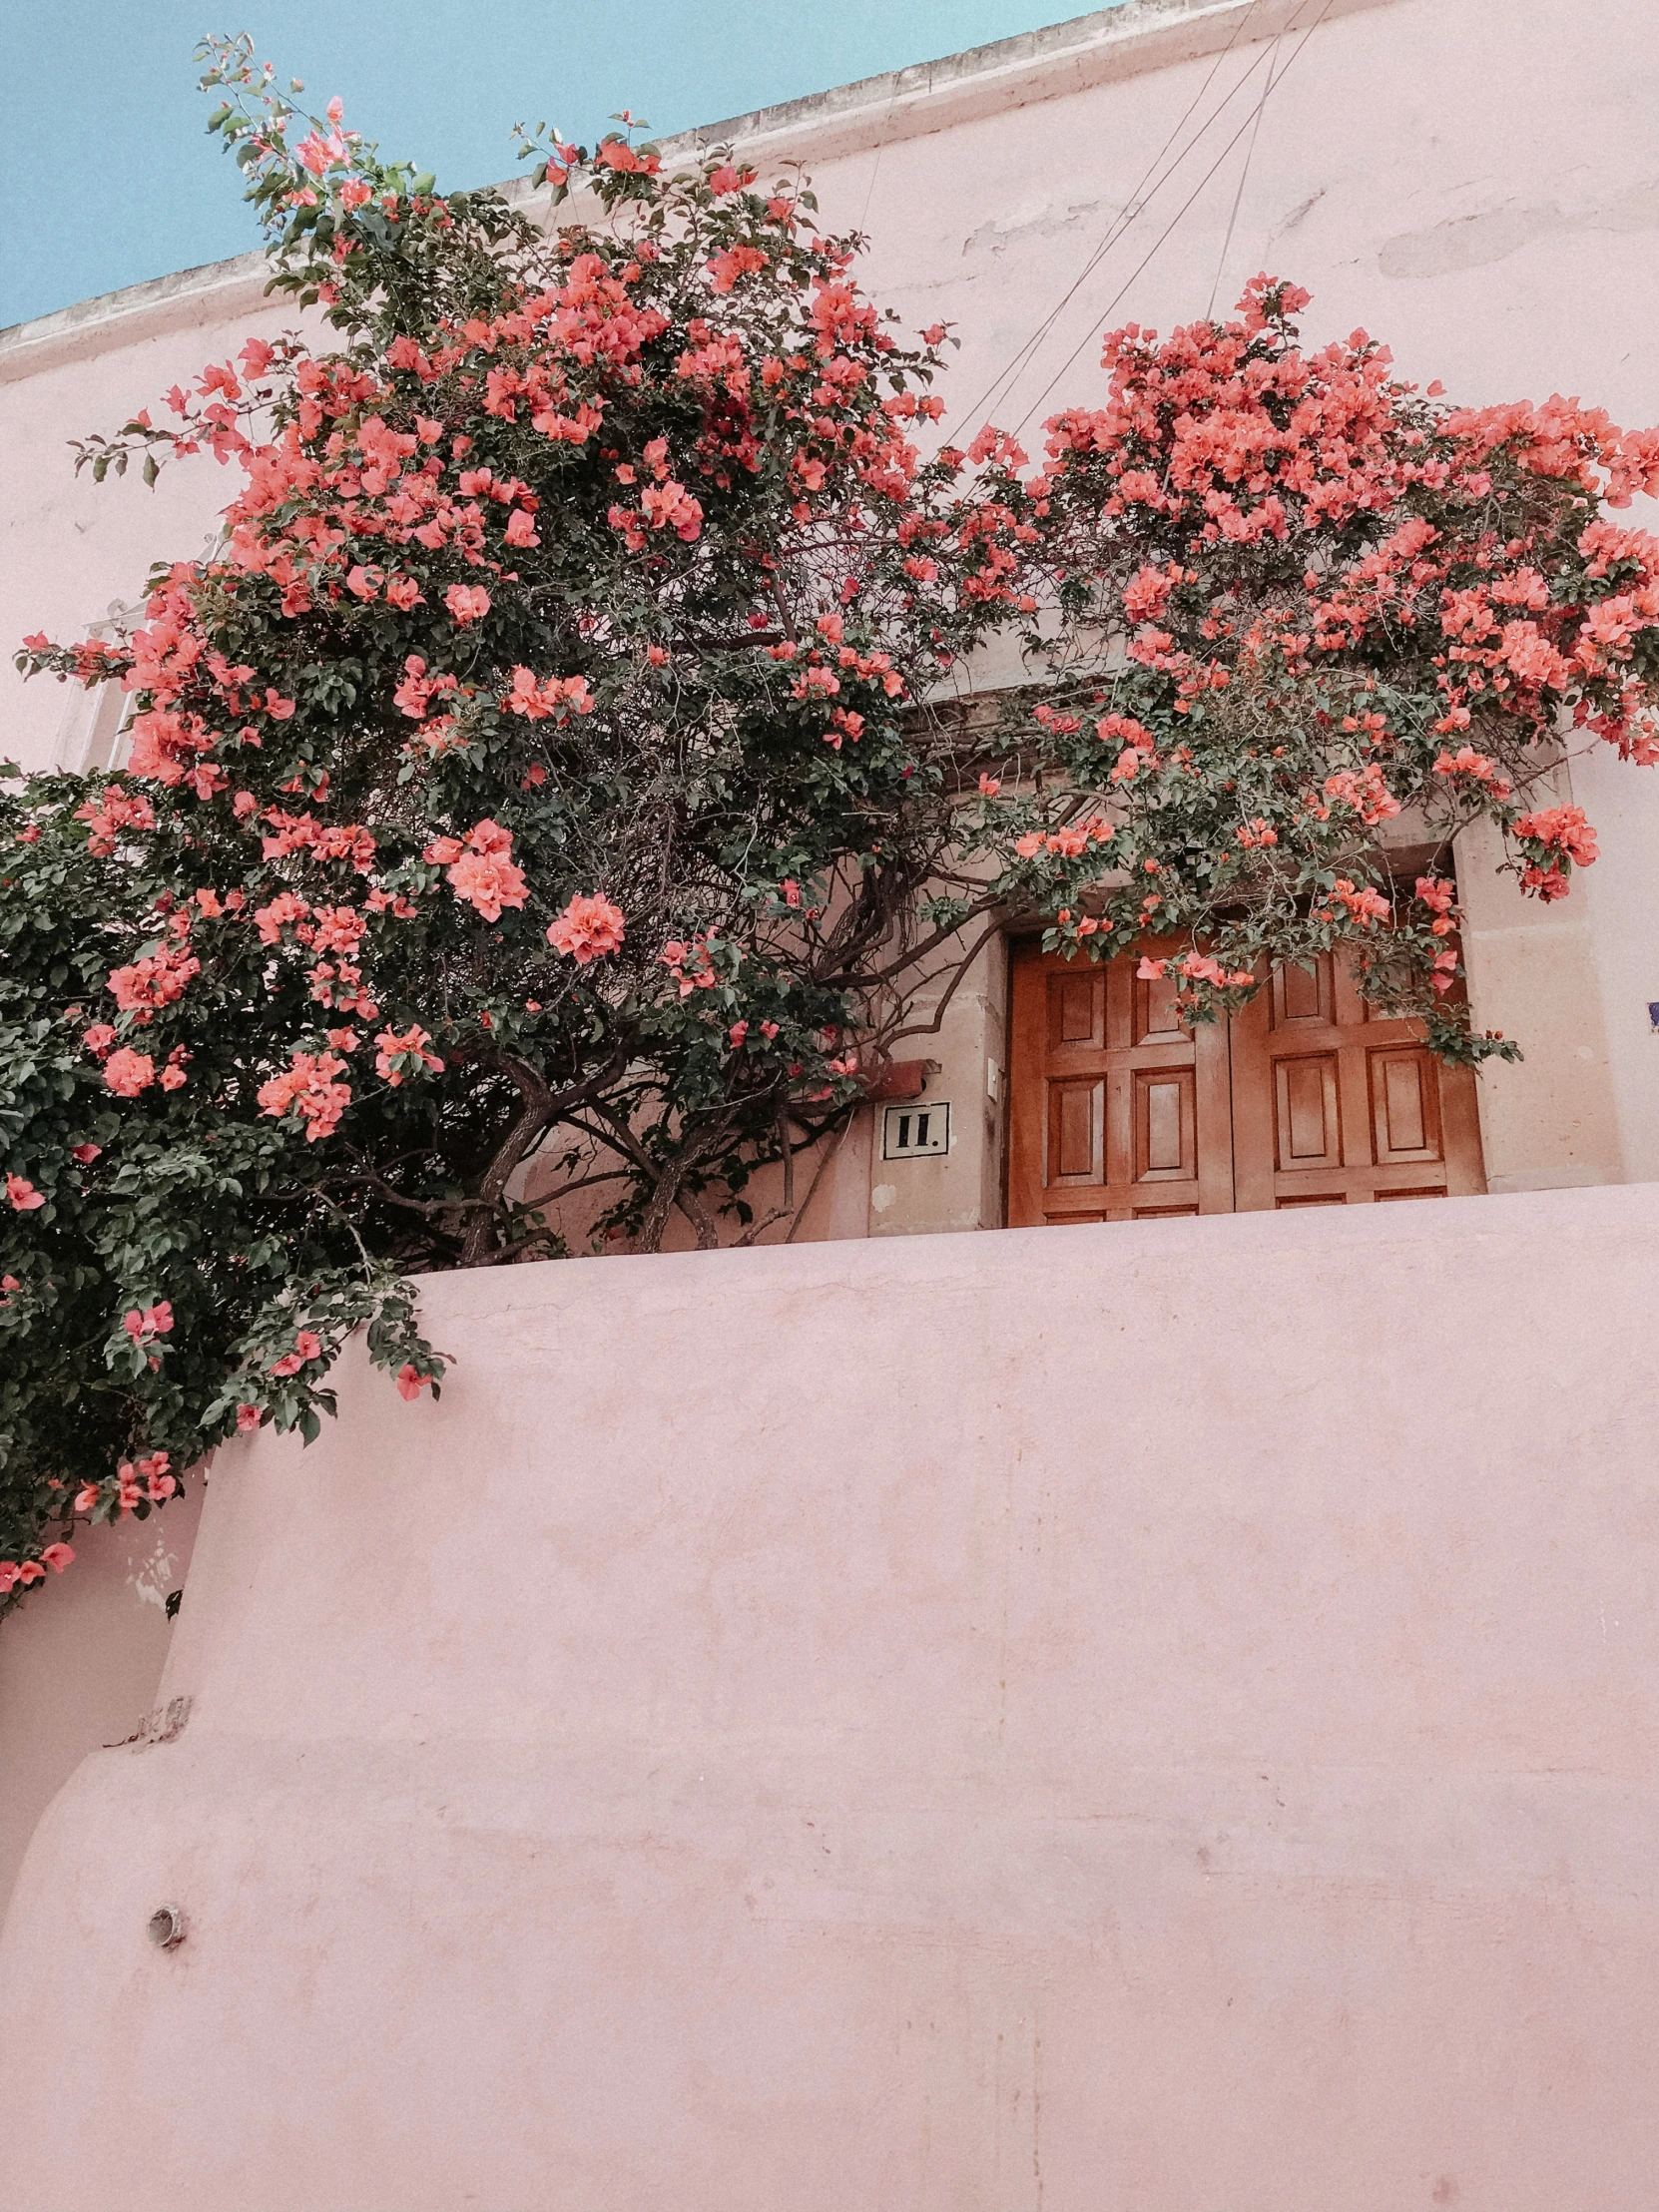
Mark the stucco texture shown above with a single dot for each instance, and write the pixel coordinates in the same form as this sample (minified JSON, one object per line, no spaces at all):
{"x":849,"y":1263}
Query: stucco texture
{"x":1160,"y":1717}
{"x":81,"y":1658}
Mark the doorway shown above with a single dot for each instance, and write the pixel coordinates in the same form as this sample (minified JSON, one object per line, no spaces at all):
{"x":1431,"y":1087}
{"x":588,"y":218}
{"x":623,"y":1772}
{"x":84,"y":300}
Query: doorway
{"x":1118,"y":1110}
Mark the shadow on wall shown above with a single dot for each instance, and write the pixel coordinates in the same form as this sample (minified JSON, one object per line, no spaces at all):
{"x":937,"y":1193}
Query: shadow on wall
{"x":80,"y":1661}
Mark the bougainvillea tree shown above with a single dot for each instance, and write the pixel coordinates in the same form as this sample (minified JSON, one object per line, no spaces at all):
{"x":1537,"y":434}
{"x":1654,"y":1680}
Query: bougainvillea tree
{"x":545,"y":772}
{"x":1297,"y":600}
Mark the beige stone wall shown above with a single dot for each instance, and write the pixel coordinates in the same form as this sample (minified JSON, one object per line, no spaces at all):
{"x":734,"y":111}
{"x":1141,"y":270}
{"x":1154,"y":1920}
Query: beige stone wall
{"x":967,"y":1056}
{"x":1552,"y":1120}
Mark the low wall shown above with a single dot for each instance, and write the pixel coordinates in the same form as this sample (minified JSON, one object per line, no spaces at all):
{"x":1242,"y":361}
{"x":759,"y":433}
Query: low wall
{"x":80,"y":1661}
{"x":1155,"y":1717}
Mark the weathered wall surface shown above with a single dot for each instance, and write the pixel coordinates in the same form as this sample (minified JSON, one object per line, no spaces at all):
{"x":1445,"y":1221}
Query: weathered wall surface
{"x":80,"y":1661}
{"x":1161,"y":1716}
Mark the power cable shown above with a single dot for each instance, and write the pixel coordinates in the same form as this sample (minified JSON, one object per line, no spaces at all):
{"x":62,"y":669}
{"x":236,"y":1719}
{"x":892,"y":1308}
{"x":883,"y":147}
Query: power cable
{"x":1121,"y":224}
{"x":1123,"y":289}
{"x":1133,"y":209}
{"x":876,"y":166}
{"x":1238,"y":197}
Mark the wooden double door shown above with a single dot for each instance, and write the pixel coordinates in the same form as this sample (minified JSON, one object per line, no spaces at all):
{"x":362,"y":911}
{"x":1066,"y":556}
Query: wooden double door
{"x":1120,"y":1112}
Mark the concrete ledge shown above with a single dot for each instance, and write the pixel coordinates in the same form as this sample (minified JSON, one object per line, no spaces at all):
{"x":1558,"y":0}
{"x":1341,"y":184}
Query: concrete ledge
{"x":1161,"y":1716}
{"x":189,"y":298}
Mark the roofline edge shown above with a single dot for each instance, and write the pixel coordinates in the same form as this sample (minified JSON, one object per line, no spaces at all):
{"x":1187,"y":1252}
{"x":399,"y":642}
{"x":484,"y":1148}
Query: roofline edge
{"x":1111,"y":43}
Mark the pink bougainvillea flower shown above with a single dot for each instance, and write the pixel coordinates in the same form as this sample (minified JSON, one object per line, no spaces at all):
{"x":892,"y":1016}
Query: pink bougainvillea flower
{"x":128,"y":1072}
{"x":319,"y":154}
{"x":480,"y":874}
{"x":1563,"y":830}
{"x":410,"y":1382}
{"x":589,"y":927}
{"x":85,"y":1153}
{"x":409,"y":1047}
{"x":22,"y":1194}
{"x":58,"y":1556}
{"x":488,"y":883}
{"x":467,"y":602}
{"x":558,"y":694}
{"x":309,"y":1088}
{"x":247,"y":1417}
{"x":156,"y":981}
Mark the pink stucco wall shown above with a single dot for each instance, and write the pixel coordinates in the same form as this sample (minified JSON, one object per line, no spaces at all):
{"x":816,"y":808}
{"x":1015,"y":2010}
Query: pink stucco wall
{"x":81,"y":1659}
{"x":1160,"y":1717}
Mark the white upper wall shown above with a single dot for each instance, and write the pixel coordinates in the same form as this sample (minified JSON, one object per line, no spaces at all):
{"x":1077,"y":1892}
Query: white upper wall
{"x":1476,"y":181}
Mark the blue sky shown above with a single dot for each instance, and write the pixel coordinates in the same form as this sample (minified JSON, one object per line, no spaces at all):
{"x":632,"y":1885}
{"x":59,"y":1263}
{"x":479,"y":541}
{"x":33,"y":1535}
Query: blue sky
{"x":107,"y":177}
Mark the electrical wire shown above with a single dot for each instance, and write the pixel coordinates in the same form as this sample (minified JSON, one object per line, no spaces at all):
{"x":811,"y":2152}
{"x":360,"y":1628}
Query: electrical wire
{"x":876,"y":166}
{"x":1123,"y":289}
{"x":1238,"y":197}
{"x":1131,"y":212}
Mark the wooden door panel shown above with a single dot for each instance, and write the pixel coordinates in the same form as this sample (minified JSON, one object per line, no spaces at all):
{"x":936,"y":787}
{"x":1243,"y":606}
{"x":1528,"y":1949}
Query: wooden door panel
{"x":1117,"y":1112}
{"x":1405,"y":1105}
{"x":1300,"y":995}
{"x":1076,"y":1123}
{"x":1156,"y":1020}
{"x":1336,"y":1105}
{"x":1166,"y":1126}
{"x":1307,"y":1112}
{"x":1076,"y":1012}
